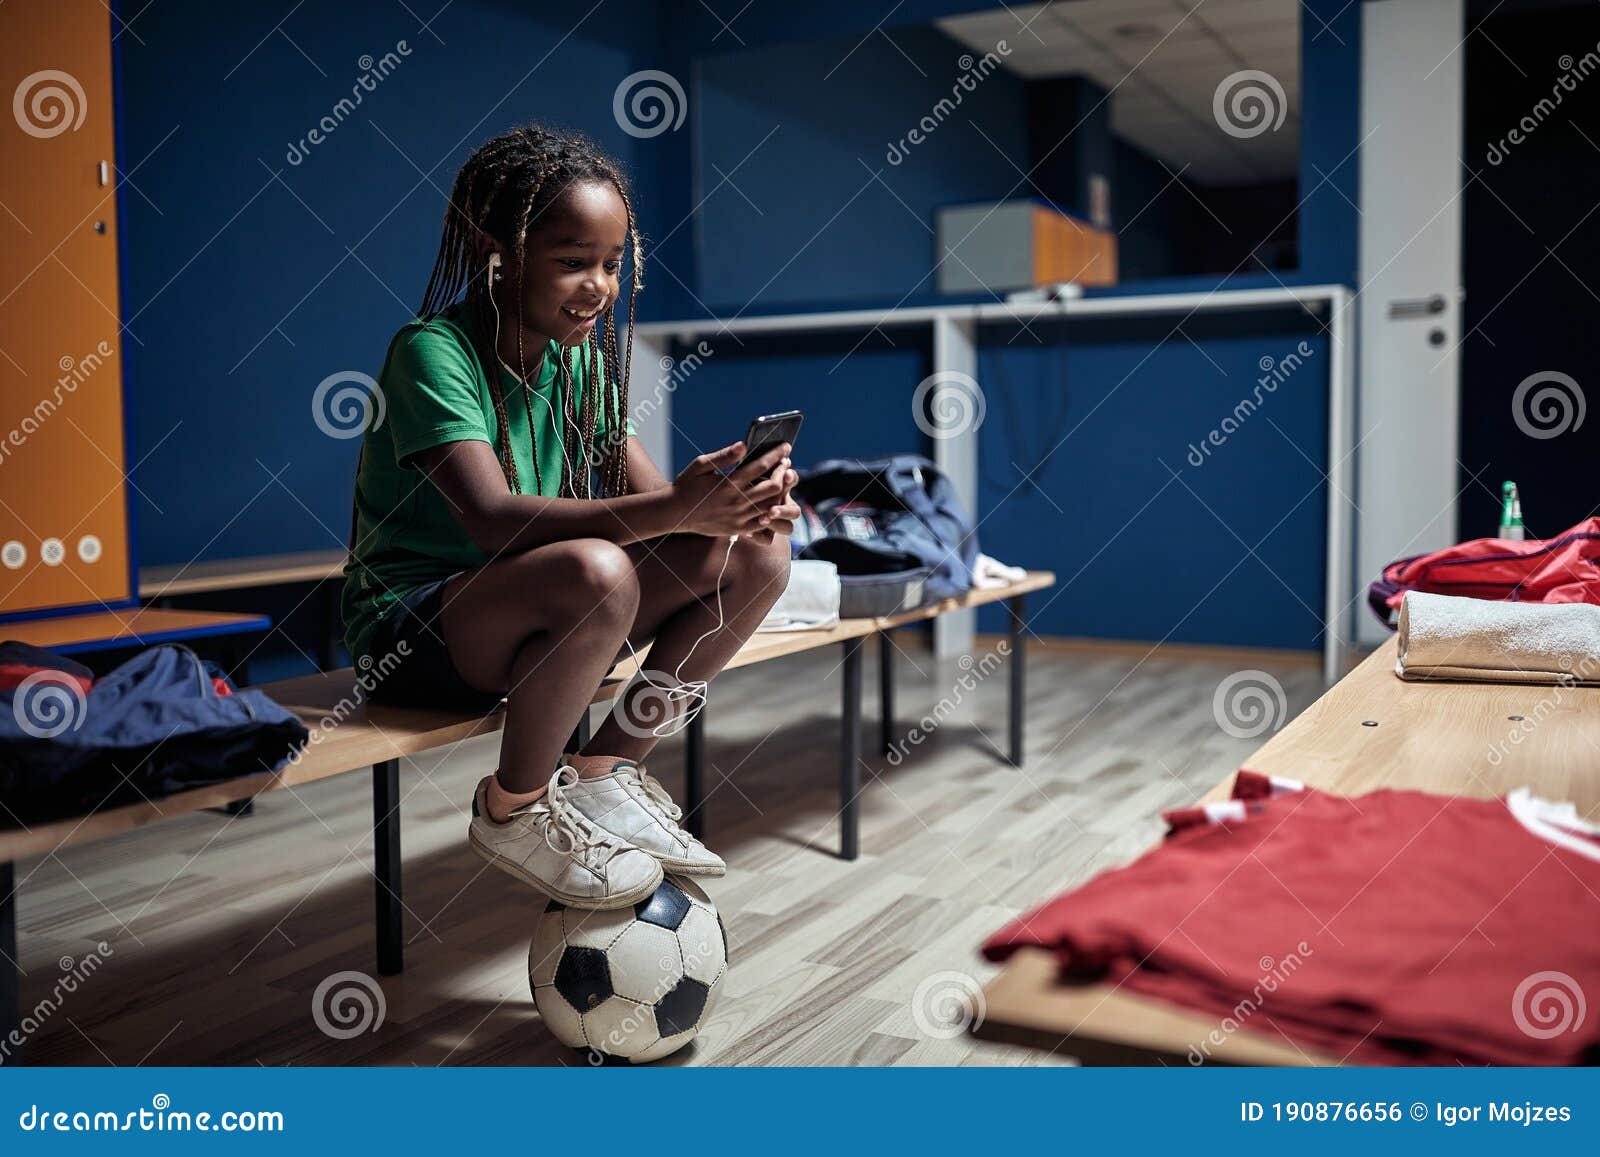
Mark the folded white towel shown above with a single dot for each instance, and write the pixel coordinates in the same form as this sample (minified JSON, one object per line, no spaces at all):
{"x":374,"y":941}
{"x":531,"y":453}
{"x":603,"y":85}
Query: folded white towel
{"x":991,"y":572}
{"x":1445,"y":637}
{"x":811,"y":600}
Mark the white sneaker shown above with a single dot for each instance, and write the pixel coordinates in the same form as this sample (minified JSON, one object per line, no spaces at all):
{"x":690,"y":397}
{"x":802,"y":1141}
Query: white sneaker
{"x":632,"y":805}
{"x":552,"y":846}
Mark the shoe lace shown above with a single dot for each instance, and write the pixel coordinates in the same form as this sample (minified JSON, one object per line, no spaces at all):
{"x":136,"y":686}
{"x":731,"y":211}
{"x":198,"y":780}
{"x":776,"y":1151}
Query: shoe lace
{"x":655,"y":793}
{"x":568,"y":831}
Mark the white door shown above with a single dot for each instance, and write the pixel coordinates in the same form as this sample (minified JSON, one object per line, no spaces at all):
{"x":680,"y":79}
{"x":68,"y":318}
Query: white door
{"x":1409,"y":306}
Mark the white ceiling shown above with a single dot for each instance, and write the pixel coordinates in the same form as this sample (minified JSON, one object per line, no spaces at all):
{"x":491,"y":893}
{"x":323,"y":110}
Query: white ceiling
{"x":1163,"y":61}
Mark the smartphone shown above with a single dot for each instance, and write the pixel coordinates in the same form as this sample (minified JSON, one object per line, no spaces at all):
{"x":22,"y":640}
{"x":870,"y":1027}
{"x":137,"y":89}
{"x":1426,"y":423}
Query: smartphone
{"x":770,"y":430}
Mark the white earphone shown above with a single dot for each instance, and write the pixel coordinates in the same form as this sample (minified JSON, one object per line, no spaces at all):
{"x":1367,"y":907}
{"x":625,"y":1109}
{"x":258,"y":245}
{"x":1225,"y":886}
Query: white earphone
{"x":696,"y":691}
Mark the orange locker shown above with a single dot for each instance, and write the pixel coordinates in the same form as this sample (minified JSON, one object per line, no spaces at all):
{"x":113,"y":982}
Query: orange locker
{"x":64,"y":534}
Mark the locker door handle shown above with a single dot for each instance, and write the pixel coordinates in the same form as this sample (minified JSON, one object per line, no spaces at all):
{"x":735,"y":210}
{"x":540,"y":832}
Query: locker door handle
{"x":1416,"y":307}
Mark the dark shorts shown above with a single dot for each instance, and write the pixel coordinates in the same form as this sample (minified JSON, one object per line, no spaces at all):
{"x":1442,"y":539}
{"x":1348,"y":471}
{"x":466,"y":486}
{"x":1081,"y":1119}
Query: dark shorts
{"x":410,"y":664}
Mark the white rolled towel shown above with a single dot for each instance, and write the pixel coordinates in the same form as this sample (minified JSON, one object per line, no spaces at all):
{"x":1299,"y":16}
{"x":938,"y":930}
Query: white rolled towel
{"x":811,"y":600}
{"x":1446,"y":637}
{"x":991,"y":572}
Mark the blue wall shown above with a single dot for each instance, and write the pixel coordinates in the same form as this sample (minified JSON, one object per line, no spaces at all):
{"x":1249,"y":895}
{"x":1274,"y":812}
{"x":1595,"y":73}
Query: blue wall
{"x":1230,"y":551}
{"x":241,"y":294}
{"x":249,"y":279}
{"x":812,"y":208}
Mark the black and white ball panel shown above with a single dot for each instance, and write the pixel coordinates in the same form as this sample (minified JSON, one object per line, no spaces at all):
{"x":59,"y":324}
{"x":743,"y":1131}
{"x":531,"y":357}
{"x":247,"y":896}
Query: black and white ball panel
{"x":635,"y":982}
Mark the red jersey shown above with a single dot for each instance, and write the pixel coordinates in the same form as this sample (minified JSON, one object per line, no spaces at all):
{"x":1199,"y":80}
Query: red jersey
{"x":1393,"y":927}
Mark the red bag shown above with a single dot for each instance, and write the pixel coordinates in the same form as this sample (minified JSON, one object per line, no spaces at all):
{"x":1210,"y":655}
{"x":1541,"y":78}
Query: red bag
{"x":1564,"y":569}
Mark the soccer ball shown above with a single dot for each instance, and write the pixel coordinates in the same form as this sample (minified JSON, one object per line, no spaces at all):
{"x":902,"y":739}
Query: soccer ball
{"x":635,"y":983}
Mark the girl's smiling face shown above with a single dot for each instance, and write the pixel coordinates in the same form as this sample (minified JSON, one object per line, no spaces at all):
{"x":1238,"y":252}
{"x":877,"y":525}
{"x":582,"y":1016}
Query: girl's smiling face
{"x":573,"y":256}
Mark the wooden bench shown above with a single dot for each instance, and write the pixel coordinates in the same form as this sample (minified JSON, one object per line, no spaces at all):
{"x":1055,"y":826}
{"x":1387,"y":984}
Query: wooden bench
{"x":129,"y":628}
{"x":349,"y":735}
{"x":1369,"y":731}
{"x":323,"y":568}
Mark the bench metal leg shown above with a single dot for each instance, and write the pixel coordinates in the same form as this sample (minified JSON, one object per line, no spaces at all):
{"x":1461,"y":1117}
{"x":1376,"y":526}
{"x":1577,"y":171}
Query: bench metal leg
{"x":1017,"y":691}
{"x":10,"y":965}
{"x":386,"y":845}
{"x":885,"y":692}
{"x":850,"y":753}
{"x":694,"y":775}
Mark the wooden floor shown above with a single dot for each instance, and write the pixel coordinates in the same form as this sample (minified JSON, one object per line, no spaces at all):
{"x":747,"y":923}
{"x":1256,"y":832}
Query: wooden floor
{"x":220,"y":929}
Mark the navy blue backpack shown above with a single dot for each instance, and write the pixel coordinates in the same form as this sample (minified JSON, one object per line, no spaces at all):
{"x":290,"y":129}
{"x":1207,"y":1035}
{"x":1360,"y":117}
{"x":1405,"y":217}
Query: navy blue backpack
{"x":162,"y":722}
{"x":894,"y":528}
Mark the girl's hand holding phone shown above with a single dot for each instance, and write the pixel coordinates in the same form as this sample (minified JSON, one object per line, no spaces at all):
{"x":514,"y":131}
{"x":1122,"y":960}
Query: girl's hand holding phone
{"x":719,"y":504}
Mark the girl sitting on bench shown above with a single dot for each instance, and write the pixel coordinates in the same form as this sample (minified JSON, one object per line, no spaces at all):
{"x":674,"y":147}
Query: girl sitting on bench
{"x":512,"y":539}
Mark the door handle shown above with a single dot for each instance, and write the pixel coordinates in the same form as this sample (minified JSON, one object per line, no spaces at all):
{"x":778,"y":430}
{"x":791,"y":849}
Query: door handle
{"x":1416,"y":307}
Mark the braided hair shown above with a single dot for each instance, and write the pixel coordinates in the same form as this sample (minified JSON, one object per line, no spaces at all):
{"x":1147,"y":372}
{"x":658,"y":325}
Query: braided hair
{"x":507,"y":183}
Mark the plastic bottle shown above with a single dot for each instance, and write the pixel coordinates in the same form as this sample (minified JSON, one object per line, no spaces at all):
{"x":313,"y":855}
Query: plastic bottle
{"x":1511,"y":513}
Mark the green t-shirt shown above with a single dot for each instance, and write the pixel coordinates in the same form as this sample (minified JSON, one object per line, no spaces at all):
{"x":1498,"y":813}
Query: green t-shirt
{"x":434,"y":390}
